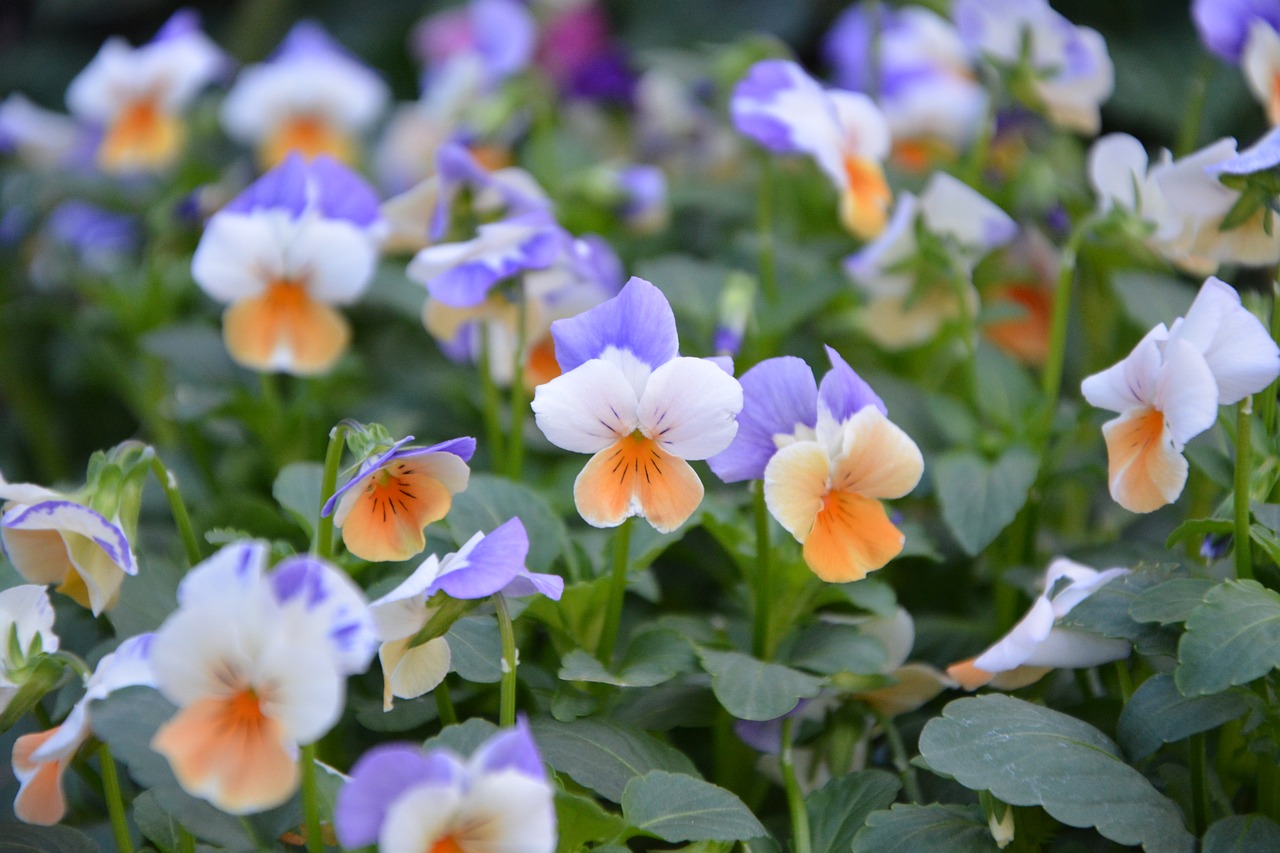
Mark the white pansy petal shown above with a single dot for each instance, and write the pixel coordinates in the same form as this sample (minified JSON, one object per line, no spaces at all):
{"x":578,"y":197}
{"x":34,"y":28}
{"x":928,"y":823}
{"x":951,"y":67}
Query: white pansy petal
{"x":333,"y":258}
{"x":1186,"y":392}
{"x":1117,"y":168}
{"x":863,"y":127}
{"x":1129,"y":383}
{"x":27,"y":610}
{"x":418,"y":818}
{"x":897,"y":633}
{"x":952,"y":208}
{"x":1070,"y":649}
{"x":239,"y":254}
{"x":507,"y":812}
{"x":1020,"y":643}
{"x":233,"y":570}
{"x":1237,"y":347}
{"x":586,"y":409}
{"x":194,"y":645}
{"x":690,"y":407}
{"x":418,"y":670}
{"x":299,"y":684}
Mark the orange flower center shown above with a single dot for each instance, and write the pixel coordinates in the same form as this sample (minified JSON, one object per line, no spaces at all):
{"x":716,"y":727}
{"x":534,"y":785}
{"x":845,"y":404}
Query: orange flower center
{"x":142,"y":136}
{"x":244,"y":710}
{"x":865,"y":206}
{"x":309,"y":135}
{"x":448,"y":844}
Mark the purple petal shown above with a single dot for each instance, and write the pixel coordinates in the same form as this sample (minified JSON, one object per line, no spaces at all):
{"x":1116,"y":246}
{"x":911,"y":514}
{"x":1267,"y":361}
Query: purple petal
{"x":379,"y":778}
{"x":181,"y":23}
{"x":843,"y":392}
{"x":461,"y":447}
{"x":847,"y":46}
{"x":341,"y":193}
{"x":762,"y":85}
{"x":505,"y":35}
{"x":535,"y":583}
{"x":309,"y":38}
{"x":335,"y":600}
{"x":1224,"y":24}
{"x":1258,"y":157}
{"x":778,"y":394}
{"x":60,"y":515}
{"x":639,"y":319}
{"x":492,"y":564}
{"x":91,"y":229}
{"x":284,"y":187}
{"x":511,"y":749}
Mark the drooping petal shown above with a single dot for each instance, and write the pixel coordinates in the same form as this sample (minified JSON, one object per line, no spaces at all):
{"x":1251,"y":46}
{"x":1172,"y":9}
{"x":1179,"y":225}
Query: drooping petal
{"x":40,"y":799}
{"x":489,"y":566}
{"x":411,"y":672}
{"x":779,"y":394}
{"x":851,"y":536}
{"x":879,"y":460}
{"x":634,"y":476}
{"x":1117,"y":171}
{"x":689,"y":407}
{"x":638,"y":320}
{"x":285,"y":329}
{"x":1016,"y":647}
{"x":1145,"y":467}
{"x":1067,"y":648}
{"x":587,"y":408}
{"x":915,"y":684}
{"x":461,"y":274}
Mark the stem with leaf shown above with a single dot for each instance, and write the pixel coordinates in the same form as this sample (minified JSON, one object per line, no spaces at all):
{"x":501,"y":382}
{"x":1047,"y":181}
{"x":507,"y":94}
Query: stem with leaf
{"x":763,"y":576}
{"x":1243,"y":553}
{"x":800,"y":837}
{"x":169,"y":484}
{"x":311,"y":800}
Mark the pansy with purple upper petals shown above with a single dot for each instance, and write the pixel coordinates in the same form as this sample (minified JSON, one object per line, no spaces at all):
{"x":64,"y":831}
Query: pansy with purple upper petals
{"x":641,"y":410}
{"x":384,"y":509}
{"x":502,"y":34}
{"x":407,"y":801}
{"x":509,"y":191}
{"x":1224,"y":24}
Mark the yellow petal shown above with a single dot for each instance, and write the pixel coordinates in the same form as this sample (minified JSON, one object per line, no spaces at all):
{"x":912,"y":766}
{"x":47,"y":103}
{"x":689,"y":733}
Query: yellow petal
{"x":309,"y":136}
{"x":864,"y":206}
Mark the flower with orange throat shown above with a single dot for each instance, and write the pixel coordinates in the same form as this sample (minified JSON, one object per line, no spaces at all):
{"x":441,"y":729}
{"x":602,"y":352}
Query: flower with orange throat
{"x":784,"y":109}
{"x":257,"y":665}
{"x":310,"y":98}
{"x":385,"y":508}
{"x":629,"y":399}
{"x":137,"y":94}
{"x":300,"y":240}
{"x":828,"y":455}
{"x":1168,"y":390}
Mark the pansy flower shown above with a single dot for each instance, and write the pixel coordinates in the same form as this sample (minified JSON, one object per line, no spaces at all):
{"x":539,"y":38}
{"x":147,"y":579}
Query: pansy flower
{"x":41,"y":759}
{"x":500,"y":34}
{"x":784,"y":109}
{"x":408,"y":801}
{"x":300,"y":240}
{"x":384,"y":509}
{"x":1038,"y":643}
{"x":1224,"y":25}
{"x":26,"y":627}
{"x":137,"y":95}
{"x":311,"y":97}
{"x":257,"y":665}
{"x":462,"y":274}
{"x":1261,"y":66}
{"x":628,"y":398}
{"x":1169,"y":388}
{"x":485,"y":565}
{"x":828,"y":455}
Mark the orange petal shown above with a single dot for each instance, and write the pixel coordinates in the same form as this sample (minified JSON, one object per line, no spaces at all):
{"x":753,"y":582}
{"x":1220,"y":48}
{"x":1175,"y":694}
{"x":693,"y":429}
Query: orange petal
{"x":968,"y":675}
{"x":40,"y":556}
{"x":1026,"y":337}
{"x":541,"y":366}
{"x":228,"y":751}
{"x":40,"y":799}
{"x":1143,"y":468}
{"x":446,"y":845}
{"x":284,"y":329}
{"x":1273,"y":102}
{"x":308,"y":135}
{"x":851,"y":536}
{"x":387,"y":519}
{"x":634,"y":476}
{"x":864,"y":206}
{"x":142,"y":138}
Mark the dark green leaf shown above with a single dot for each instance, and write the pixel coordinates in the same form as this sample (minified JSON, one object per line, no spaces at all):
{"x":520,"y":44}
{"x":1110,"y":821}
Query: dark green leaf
{"x":475,"y":647}
{"x":751,"y":689}
{"x":1171,"y":601}
{"x":297,"y":489}
{"x":1232,"y":638}
{"x":581,"y":821}
{"x":827,"y":648}
{"x":604,"y":756}
{"x":871,"y":594}
{"x":1242,"y":833}
{"x":1157,"y":714}
{"x":651,"y":658}
{"x":1197,"y":529}
{"x":980,"y":498}
{"x":1106,"y":612}
{"x":21,"y":838}
{"x":1150,"y":298}
{"x":935,"y":828}
{"x":838,"y":810}
{"x":675,"y":807}
{"x":463,"y":738}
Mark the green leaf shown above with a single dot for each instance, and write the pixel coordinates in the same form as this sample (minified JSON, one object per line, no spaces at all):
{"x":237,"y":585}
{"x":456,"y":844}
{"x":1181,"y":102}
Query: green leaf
{"x":20,"y":838}
{"x":870,"y":594}
{"x":1027,"y":755}
{"x":1157,"y":714}
{"x":754,"y":690}
{"x":1106,"y":612}
{"x":581,"y":821}
{"x":838,"y":810}
{"x":1267,"y":540}
{"x":1242,"y":833}
{"x":604,"y":756}
{"x":490,"y":500}
{"x":1170,"y":602}
{"x":475,"y":647}
{"x":652,"y":658}
{"x":681,"y":808}
{"x":980,"y":498}
{"x":160,"y":828}
{"x":297,"y":489}
{"x":463,"y":738}
{"x":1151,"y":298}
{"x":828,"y":648}
{"x":1197,"y":529}
{"x":1005,"y":390}
{"x":935,"y":828}
{"x":1232,"y":638}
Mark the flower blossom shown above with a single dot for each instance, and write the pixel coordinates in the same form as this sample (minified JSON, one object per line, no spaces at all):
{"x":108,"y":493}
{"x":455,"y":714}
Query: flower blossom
{"x":1169,"y":388}
{"x":907,"y":304}
{"x":500,"y":35}
{"x":1224,"y":25}
{"x":784,"y":109}
{"x":485,"y":565}
{"x":385,"y":508}
{"x":310,"y":98}
{"x":26,"y":618}
{"x":828,"y":455}
{"x":257,"y":665}
{"x":1261,"y":65}
{"x":301,"y":239}
{"x":41,"y":759}
{"x":137,"y":95}
{"x":628,"y":398}
{"x":1038,"y":644}
{"x":407,"y":801}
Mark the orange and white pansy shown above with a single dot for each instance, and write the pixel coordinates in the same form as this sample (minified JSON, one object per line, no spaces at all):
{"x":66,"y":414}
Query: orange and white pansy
{"x":384,"y":509}
{"x":298,"y":241}
{"x":1169,"y":388}
{"x":136,"y":95}
{"x":784,"y":109}
{"x":310,"y":98}
{"x":257,"y":665}
{"x":1261,"y":65}
{"x":628,"y":398}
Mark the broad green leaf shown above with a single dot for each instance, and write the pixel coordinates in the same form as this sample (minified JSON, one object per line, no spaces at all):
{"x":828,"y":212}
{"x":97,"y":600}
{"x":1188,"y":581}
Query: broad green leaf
{"x":935,"y":828}
{"x":1005,"y":390}
{"x":578,"y":617}
{"x":827,"y":648}
{"x":604,"y":756}
{"x":297,"y":489}
{"x":1106,"y":612}
{"x":475,"y":646}
{"x":1197,"y":529}
{"x":20,"y":838}
{"x":751,"y":689}
{"x":160,"y":828}
{"x":145,"y":602}
{"x":651,"y":658}
{"x":1266,"y":539}
{"x":1028,"y":755}
{"x":1232,"y":638}
{"x":580,"y":821}
{"x":1157,"y":714}
{"x":870,"y":594}
{"x":980,"y":498}
{"x":838,"y":810}
{"x":1170,"y":602}
{"x":490,"y":500}
{"x":681,"y":808}
{"x":1151,"y":298}
{"x":683,"y":702}
{"x":463,"y":738}
{"x":1242,"y":833}
{"x":1268,"y":515}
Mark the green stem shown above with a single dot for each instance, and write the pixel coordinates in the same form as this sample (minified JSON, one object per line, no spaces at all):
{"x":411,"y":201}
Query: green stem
{"x":322,"y":547}
{"x":901,"y":760}
{"x":178,"y":508}
{"x":492,"y":415}
{"x":1124,"y":679}
{"x":311,"y":800}
{"x":764,"y":227}
{"x":1189,"y":131}
{"x":515,"y":450}
{"x":968,"y":332}
{"x":1055,"y":358}
{"x":444,"y":705}
{"x":507,"y":703}
{"x":1268,"y":408}
{"x":1243,"y":554}
{"x":1199,"y":784}
{"x":800,"y":840}
{"x":763,"y":579}
{"x":617,"y":592}
{"x":186,"y":841}
{"x":115,"y":801}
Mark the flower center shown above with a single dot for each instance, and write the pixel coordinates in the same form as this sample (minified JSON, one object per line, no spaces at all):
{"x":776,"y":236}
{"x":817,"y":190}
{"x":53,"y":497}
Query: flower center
{"x":448,"y":844}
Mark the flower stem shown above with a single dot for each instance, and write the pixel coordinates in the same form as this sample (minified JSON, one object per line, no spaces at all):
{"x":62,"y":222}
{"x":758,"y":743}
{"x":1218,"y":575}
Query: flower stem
{"x":1199,"y":784}
{"x":311,"y":800}
{"x":1243,"y":554}
{"x":764,"y":227}
{"x":800,"y":840}
{"x":492,"y":417}
{"x":1055,"y":358}
{"x":900,"y":758}
{"x":1124,"y":679}
{"x":1189,"y":131}
{"x":444,"y":705}
{"x":115,"y":802}
{"x":763,"y":579}
{"x":515,"y":450}
{"x":323,"y":545}
{"x":507,"y":702}
{"x":178,"y":508}
{"x":1268,"y":405}
{"x":186,"y":841}
{"x":617,"y":592}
